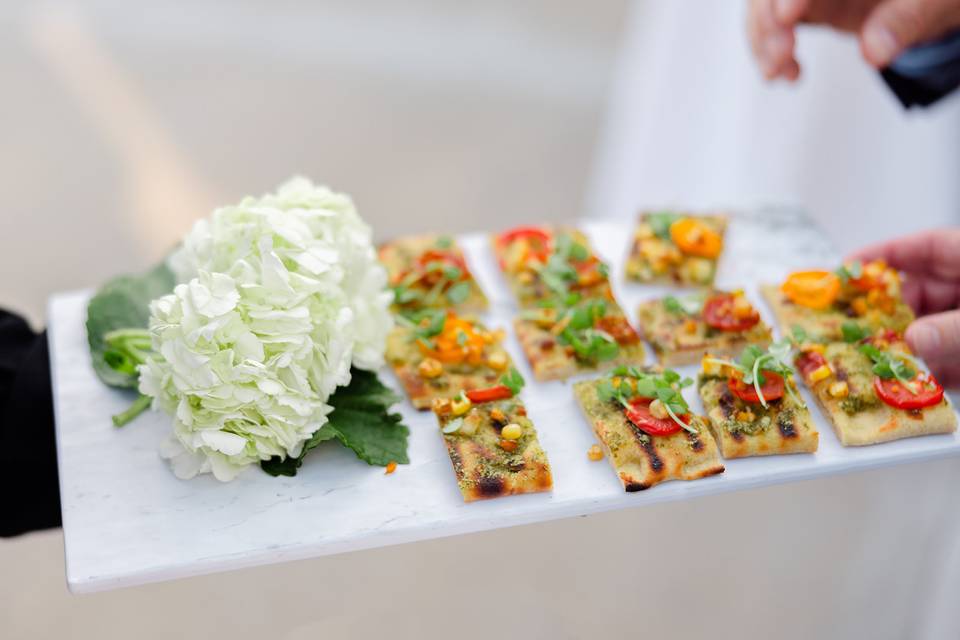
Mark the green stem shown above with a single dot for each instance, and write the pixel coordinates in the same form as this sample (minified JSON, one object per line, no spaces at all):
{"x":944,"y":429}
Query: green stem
{"x":126,"y":334}
{"x":139,"y":405}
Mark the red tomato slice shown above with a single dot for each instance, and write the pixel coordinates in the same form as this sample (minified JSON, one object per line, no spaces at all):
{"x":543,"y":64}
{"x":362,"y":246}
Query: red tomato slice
{"x":539,"y":240}
{"x":499,"y":392}
{"x":772,"y":388}
{"x":894,"y":393}
{"x":718,"y":313}
{"x":619,"y":329}
{"x":639,"y":414}
{"x":452,"y":259}
{"x":809,"y":361}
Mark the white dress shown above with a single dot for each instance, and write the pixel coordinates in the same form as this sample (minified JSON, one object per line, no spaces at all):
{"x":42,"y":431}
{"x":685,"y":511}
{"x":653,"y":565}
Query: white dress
{"x":691,"y":123}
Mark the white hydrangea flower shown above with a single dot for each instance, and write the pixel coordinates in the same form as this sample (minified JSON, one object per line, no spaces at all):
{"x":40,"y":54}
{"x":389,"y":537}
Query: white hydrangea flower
{"x":280,"y":295}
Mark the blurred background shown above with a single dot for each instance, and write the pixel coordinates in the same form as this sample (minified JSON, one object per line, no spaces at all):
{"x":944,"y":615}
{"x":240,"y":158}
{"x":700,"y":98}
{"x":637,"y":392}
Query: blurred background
{"x":121,"y":123}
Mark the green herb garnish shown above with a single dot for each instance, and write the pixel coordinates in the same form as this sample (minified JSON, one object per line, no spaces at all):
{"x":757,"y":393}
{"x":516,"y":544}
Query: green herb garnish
{"x":845,"y":272}
{"x":688,"y":305}
{"x":852,"y":332}
{"x":661,"y":222}
{"x":664,"y":387}
{"x":513,"y":380}
{"x":753,"y":362}
{"x":888,"y":366}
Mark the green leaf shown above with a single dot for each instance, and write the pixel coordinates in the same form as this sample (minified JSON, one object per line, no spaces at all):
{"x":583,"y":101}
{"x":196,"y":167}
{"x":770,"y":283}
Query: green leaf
{"x":513,"y":380}
{"x":360,"y":420}
{"x":122,"y":303}
{"x":459,"y":292}
{"x":852,"y":332}
{"x":661,"y":223}
{"x":846,"y":272}
{"x":444,"y":242}
{"x":799,"y":334}
{"x":689,"y":305}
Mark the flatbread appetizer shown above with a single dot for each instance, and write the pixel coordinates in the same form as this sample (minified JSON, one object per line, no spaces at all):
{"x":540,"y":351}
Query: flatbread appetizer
{"x":683,"y":330}
{"x":561,"y":340}
{"x":753,"y":404}
{"x":646,"y":428}
{"x":492,"y":444}
{"x":429,"y":271}
{"x":676,"y":248}
{"x":437,"y":354}
{"x":873,"y":390}
{"x":820,"y":302}
{"x":540,"y":263}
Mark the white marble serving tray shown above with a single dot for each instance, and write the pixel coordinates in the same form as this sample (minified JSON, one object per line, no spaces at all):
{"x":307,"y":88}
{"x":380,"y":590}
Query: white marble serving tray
{"x":127,"y":520}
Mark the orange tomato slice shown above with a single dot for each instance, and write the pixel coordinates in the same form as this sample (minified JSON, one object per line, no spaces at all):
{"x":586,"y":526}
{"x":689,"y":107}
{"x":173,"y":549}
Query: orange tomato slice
{"x":812,"y":289}
{"x":695,"y":238}
{"x":458,"y":342}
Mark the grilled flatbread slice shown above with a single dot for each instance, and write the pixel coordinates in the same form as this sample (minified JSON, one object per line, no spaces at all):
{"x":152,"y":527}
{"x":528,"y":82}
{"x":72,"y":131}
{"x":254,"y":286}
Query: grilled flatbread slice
{"x":558,"y":347}
{"x":445,"y":355}
{"x":821,"y":302}
{"x":847,"y":393}
{"x":749,"y":429}
{"x":487,"y":464}
{"x":641,"y":460}
{"x":682,"y":331}
{"x":543,"y":262}
{"x":430,"y":272}
{"x":676,"y":248}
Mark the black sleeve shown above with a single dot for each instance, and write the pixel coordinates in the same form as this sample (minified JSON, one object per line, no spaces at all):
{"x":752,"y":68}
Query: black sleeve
{"x":29,"y":486}
{"x":926,"y":73}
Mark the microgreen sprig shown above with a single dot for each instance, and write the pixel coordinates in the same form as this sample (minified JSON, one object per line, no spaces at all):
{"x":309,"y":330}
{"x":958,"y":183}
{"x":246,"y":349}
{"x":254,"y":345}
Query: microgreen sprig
{"x":753,"y":362}
{"x":664,"y":387}
{"x":889,"y":366}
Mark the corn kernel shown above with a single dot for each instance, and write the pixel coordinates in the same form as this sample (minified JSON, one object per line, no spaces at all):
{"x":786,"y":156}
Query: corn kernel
{"x":746,"y":416}
{"x":512,"y":431}
{"x":391,"y":467}
{"x":644,"y":231}
{"x":508,"y":445}
{"x":430,"y":368}
{"x":470,"y":424}
{"x":595,"y":453}
{"x":742,"y":307}
{"x":497,"y":361}
{"x":525,"y":277}
{"x":814,"y":346}
{"x":820,"y":373}
{"x":460,"y":405}
{"x":839,"y":389}
{"x":498,"y":416}
{"x":710,"y":368}
{"x":442,"y":406}
{"x":690,"y":325}
{"x":859,"y":306}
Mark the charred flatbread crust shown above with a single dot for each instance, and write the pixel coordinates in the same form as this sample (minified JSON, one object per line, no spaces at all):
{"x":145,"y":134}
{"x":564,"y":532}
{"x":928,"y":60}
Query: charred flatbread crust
{"x":551,"y":360}
{"x":400,"y":254}
{"x":404,"y":357}
{"x":528,"y":288}
{"x":675,"y":346}
{"x":877,"y":422}
{"x":827,"y":324}
{"x":641,"y":460}
{"x":655,"y":260}
{"x":483,"y":468}
{"x":790,"y":428}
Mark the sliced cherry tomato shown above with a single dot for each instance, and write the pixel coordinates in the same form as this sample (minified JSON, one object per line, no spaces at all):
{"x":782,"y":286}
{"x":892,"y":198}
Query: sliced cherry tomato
{"x":446,"y":257}
{"x":719,"y":312}
{"x":639,"y":414}
{"x":618,"y":328}
{"x":813,"y":289}
{"x":539,"y":242}
{"x":809,"y":361}
{"x":926,"y":392}
{"x":499,"y":392}
{"x":772,"y":388}
{"x":696,"y":238}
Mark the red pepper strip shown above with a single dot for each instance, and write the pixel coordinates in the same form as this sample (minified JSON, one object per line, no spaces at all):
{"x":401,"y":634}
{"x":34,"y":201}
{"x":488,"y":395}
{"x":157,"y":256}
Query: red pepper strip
{"x":499,"y":392}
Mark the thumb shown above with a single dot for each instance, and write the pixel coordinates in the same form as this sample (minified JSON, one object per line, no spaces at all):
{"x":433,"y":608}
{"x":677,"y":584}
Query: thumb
{"x":896,"y":25}
{"x":937,"y":336}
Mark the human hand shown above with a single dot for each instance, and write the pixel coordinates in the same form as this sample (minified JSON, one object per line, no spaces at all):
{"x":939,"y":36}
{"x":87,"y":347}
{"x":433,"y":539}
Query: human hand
{"x":930,"y":262}
{"x":885,"y":28}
